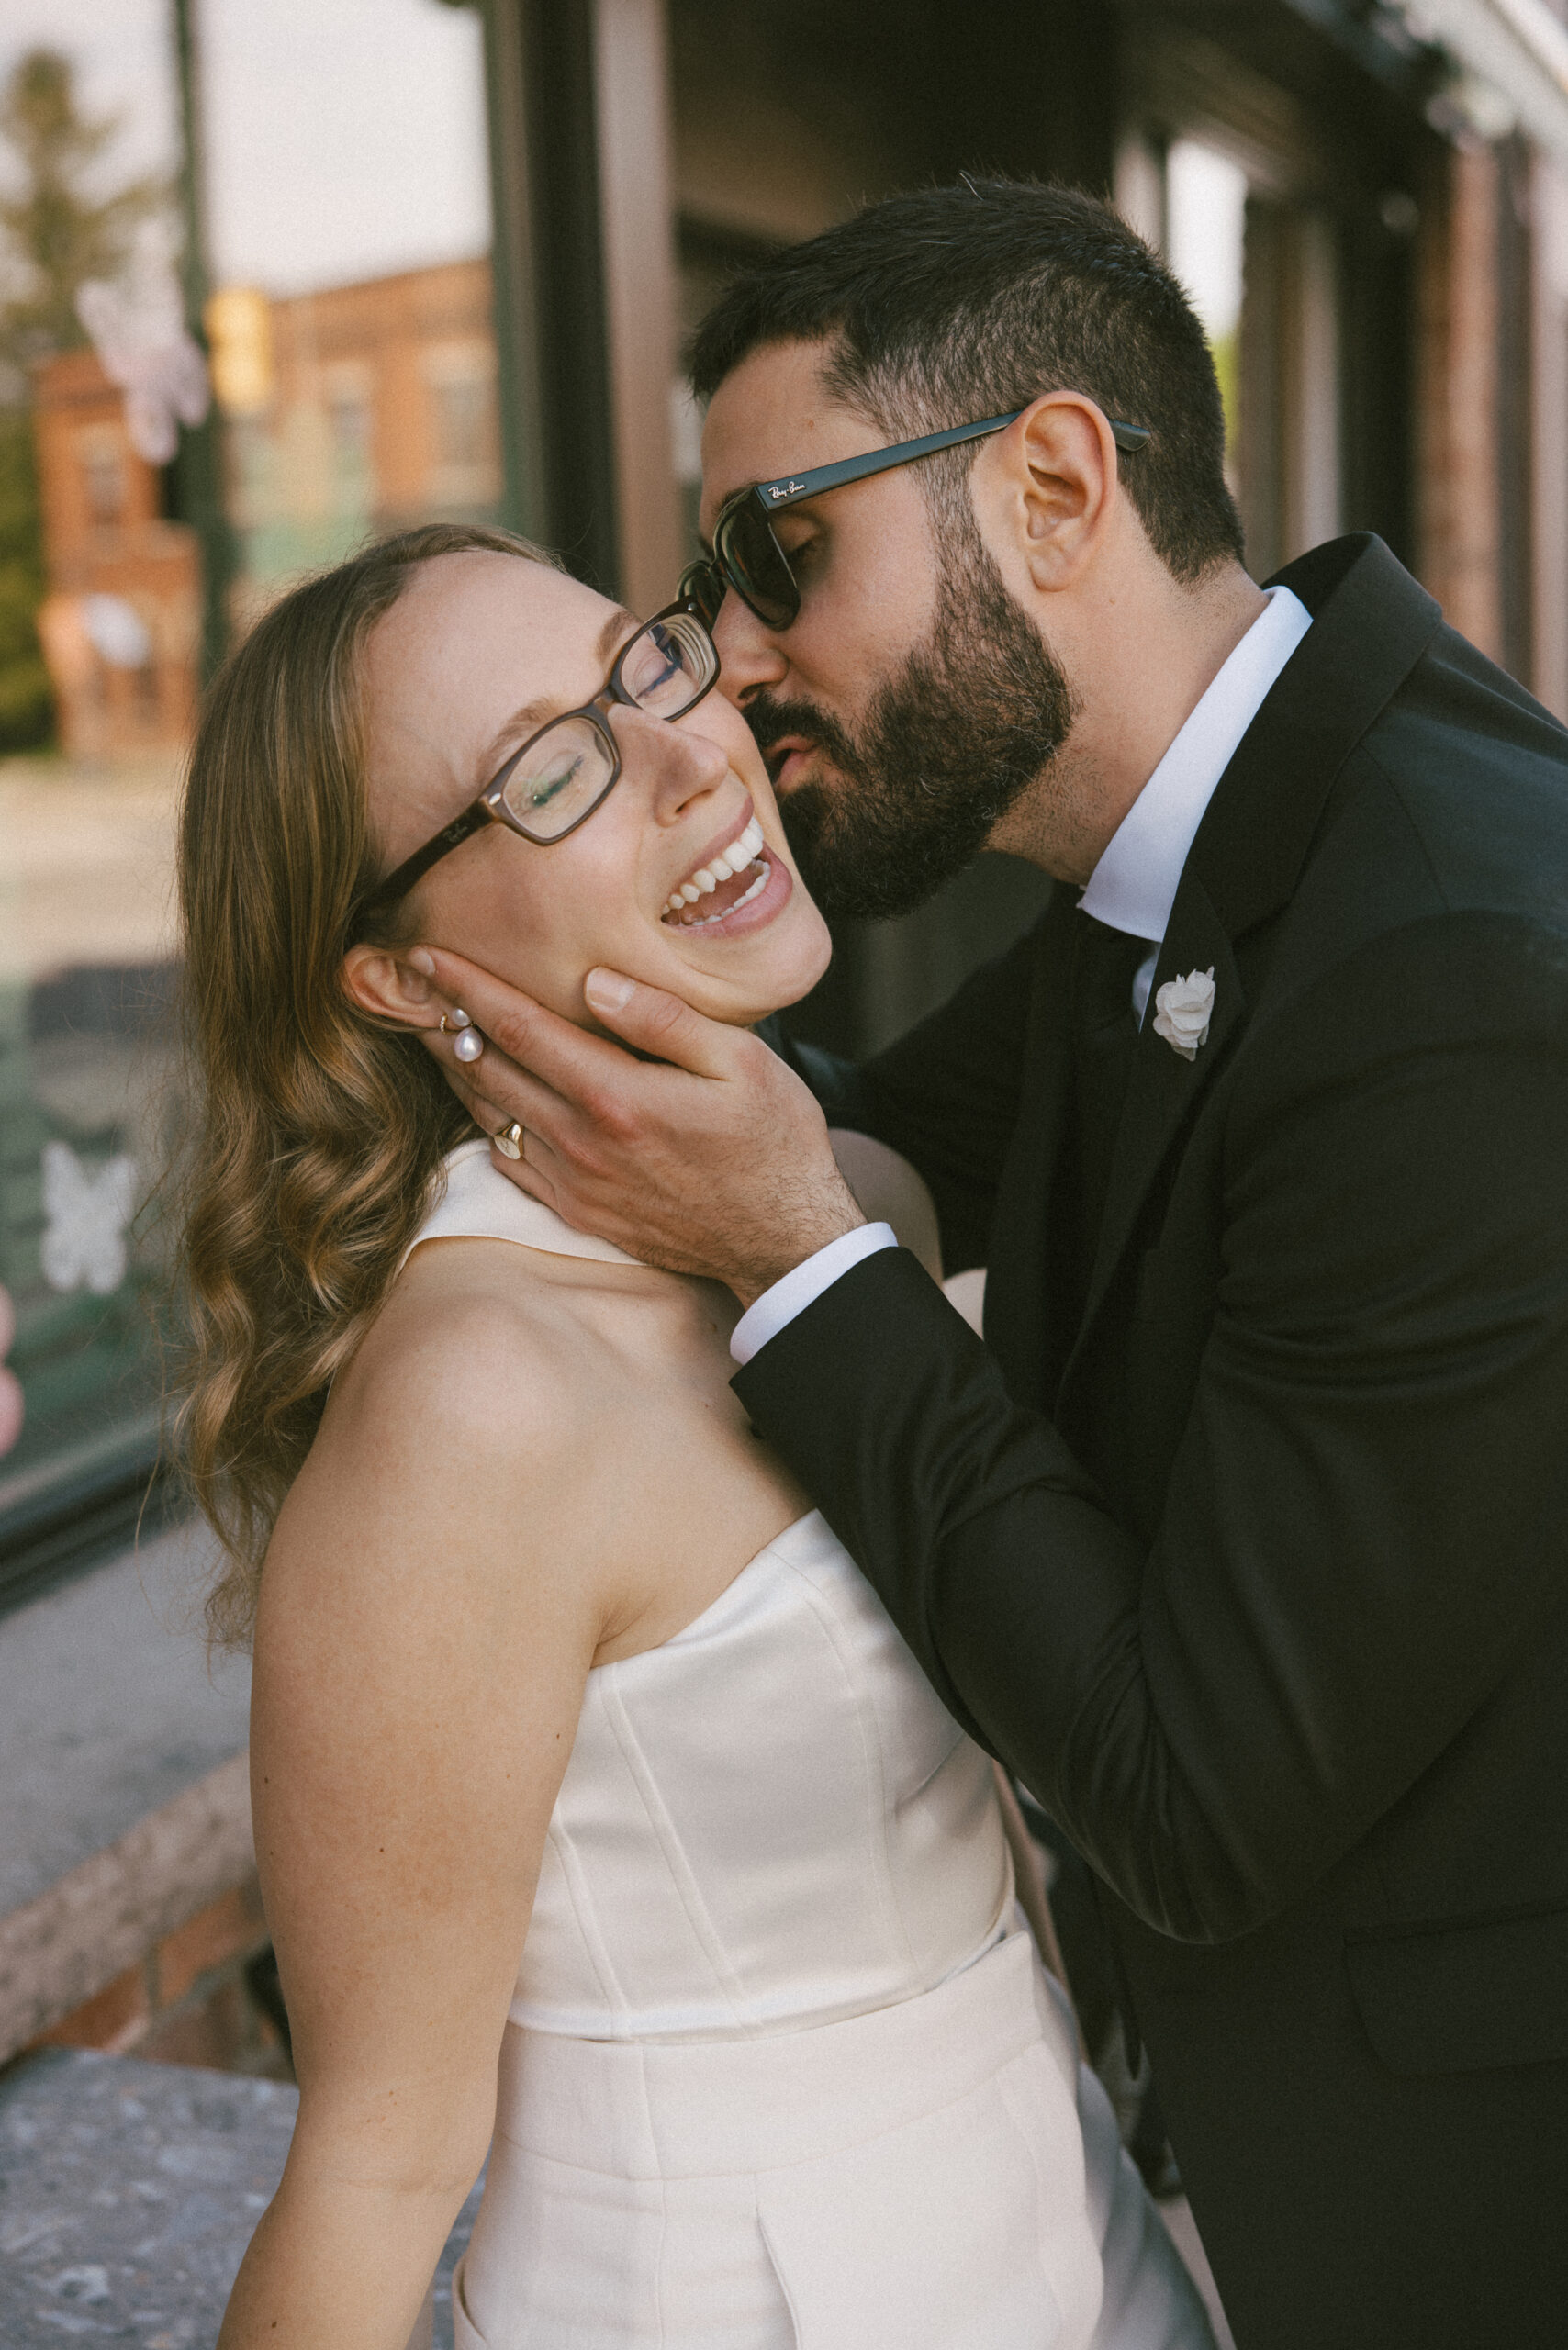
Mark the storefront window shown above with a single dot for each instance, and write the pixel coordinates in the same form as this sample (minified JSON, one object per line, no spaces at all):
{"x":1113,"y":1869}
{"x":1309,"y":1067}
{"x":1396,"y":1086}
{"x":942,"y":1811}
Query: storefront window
{"x":347,"y":310}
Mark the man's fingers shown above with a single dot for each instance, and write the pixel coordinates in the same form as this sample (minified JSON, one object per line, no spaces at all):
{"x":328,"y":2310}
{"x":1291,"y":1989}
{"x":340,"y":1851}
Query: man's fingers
{"x":660,"y":1023}
{"x":468,"y":1080}
{"x":534,"y":1172}
{"x":574,"y":1063}
{"x":494,"y":1089}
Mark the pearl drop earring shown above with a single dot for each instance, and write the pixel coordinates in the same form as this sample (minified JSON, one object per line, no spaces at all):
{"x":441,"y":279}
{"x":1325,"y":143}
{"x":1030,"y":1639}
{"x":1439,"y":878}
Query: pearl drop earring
{"x":467,"y":1041}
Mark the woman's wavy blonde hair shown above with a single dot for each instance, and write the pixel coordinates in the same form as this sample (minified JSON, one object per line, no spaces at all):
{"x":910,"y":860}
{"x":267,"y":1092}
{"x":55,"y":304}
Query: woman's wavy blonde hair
{"x":316,"y":1129}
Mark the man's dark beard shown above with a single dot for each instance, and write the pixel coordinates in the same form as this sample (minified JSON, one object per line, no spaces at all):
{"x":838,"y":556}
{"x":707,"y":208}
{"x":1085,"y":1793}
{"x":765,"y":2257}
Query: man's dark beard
{"x":946,"y":747}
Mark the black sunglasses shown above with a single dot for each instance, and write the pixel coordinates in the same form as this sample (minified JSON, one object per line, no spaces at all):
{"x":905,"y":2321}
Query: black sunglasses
{"x":748,"y":558}
{"x":554,"y":782}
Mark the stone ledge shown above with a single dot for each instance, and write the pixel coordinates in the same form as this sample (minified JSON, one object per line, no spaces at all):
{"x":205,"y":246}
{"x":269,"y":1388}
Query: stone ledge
{"x":108,"y":1912}
{"x":128,"y":2192}
{"x":109,"y":1708}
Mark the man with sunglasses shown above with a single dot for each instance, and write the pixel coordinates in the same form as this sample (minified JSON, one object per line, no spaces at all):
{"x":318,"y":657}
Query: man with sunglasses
{"x":1243,"y":1536}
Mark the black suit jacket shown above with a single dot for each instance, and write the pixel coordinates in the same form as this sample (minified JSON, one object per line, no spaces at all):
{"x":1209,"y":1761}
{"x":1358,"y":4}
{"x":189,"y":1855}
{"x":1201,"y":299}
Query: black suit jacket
{"x":1257,"y":1575}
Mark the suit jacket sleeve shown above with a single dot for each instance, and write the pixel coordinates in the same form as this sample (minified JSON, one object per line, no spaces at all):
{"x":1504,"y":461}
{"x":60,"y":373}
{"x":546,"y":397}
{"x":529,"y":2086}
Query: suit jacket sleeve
{"x":1364,"y":1519}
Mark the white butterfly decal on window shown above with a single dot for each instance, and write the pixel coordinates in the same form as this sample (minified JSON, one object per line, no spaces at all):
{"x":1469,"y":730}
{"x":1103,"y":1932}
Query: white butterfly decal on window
{"x":87,"y":1212}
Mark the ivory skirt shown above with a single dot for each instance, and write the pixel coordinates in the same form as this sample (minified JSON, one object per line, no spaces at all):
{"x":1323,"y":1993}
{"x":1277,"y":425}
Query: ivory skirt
{"x":941,"y":2175}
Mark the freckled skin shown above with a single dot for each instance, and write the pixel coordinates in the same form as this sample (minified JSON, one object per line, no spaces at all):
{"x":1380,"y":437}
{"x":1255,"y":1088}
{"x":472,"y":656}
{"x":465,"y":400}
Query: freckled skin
{"x":476,"y":635}
{"x":499,"y":1495}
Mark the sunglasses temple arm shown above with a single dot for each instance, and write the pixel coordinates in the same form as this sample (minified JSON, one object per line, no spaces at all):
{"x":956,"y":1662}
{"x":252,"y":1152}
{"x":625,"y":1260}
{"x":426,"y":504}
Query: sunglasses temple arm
{"x":772,"y":495}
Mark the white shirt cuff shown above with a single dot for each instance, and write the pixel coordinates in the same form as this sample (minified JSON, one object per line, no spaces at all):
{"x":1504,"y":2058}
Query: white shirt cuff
{"x":803,"y":1284}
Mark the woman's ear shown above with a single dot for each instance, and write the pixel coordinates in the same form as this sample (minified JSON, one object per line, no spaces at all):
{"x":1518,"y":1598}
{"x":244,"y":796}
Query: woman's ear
{"x":387,"y":986}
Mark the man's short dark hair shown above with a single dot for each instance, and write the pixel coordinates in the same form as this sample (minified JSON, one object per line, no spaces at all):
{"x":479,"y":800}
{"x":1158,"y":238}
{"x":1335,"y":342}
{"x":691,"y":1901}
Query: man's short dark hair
{"x":956,"y":303}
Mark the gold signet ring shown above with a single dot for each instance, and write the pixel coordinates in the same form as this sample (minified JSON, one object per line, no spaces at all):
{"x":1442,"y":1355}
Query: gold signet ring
{"x":509,"y":1142}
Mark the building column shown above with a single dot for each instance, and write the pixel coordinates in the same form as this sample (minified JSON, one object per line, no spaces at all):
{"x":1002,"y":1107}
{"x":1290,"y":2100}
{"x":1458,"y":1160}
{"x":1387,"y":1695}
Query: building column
{"x":637,"y":209}
{"x":1291,"y":491}
{"x":585,"y":285}
{"x":1458,"y":518}
{"x":1549,"y":426}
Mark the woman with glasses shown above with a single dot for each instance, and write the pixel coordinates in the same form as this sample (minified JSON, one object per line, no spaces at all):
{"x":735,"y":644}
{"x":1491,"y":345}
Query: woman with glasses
{"x":604,"y":1820}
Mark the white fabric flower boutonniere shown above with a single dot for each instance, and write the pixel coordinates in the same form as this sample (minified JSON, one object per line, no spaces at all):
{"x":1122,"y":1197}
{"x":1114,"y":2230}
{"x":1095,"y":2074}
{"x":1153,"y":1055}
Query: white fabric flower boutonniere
{"x":1181,"y":1010}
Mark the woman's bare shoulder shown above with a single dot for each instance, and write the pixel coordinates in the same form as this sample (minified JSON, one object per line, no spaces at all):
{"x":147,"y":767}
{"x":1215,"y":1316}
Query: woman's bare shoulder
{"x":455,"y":1438}
{"x":470,"y":1337}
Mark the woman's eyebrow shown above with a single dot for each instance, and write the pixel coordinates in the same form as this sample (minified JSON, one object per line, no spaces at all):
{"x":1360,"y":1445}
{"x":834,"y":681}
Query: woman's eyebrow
{"x":544,"y":707}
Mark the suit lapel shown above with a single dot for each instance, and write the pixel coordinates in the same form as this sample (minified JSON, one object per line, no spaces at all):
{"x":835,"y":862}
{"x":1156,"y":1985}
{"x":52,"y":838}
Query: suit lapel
{"x":1372,"y":624}
{"x":1165,"y":1086}
{"x":1017,"y":1291}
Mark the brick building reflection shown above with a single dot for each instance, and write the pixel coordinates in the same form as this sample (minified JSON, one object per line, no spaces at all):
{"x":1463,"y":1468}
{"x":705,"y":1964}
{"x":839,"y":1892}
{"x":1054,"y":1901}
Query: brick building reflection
{"x":354,"y":410}
{"x":351,"y":411}
{"x":120,"y":624}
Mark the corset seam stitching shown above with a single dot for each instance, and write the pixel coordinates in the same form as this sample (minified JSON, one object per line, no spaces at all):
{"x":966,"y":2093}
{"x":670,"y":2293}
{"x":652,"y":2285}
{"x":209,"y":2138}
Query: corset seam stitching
{"x":873,"y":1748}
{"x":688,"y":1892}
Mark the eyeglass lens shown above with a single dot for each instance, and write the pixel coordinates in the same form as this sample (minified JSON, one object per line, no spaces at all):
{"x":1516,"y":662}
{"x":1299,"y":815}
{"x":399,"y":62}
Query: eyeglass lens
{"x":666,"y":665}
{"x":559,"y":779}
{"x":565,"y":773}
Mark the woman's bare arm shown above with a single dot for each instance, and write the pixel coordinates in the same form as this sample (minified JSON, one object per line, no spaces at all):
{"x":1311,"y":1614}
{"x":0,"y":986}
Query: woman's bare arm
{"x":425,"y":1631}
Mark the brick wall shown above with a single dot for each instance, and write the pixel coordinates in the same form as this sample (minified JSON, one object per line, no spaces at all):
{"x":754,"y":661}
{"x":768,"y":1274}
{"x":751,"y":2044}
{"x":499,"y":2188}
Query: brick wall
{"x":150,"y":1944}
{"x":189,"y":2001}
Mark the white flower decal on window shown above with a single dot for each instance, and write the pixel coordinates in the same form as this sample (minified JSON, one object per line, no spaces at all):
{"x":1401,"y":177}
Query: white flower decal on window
{"x":1181,"y":1010}
{"x":86,"y":1212}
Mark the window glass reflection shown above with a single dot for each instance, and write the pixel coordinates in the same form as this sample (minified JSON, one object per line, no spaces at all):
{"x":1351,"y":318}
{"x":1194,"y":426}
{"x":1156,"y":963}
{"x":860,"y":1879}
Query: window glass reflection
{"x":346,"y":307}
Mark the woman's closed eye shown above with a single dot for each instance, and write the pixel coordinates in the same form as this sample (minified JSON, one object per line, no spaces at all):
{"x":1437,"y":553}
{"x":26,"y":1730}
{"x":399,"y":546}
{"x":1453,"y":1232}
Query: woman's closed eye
{"x":658,"y":665}
{"x":664,"y":657}
{"x":542,"y":789}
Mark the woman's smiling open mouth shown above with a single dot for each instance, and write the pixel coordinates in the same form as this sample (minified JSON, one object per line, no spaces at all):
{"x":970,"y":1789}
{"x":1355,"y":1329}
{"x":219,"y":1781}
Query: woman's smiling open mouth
{"x":737,"y":877}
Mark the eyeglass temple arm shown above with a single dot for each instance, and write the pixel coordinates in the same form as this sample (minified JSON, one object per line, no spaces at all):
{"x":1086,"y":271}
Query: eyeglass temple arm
{"x":792,"y":488}
{"x":401,"y":880}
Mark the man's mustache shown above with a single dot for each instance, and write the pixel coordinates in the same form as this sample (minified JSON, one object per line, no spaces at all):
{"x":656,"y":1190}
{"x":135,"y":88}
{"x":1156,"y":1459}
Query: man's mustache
{"x":771,"y":721}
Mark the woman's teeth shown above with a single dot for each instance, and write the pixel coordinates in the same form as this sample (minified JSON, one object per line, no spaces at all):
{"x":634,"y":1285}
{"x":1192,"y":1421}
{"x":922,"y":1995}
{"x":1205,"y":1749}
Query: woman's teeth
{"x":743,"y":851}
{"x":700,"y":921}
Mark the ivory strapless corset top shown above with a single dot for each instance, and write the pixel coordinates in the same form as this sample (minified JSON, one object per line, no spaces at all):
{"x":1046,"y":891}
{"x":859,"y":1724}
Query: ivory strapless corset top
{"x":767,"y":1823}
{"x":784,"y":2073}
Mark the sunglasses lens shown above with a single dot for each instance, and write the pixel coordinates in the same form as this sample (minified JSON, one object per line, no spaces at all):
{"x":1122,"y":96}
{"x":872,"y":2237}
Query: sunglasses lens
{"x":755,"y":566}
{"x":703,"y":587}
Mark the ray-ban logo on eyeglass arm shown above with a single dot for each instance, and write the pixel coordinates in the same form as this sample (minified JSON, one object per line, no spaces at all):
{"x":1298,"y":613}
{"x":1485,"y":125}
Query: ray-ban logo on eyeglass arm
{"x":788,"y":489}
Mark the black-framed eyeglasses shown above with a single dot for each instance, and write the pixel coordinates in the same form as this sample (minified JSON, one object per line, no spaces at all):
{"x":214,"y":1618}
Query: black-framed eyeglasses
{"x":747,"y":557}
{"x":557,"y":779}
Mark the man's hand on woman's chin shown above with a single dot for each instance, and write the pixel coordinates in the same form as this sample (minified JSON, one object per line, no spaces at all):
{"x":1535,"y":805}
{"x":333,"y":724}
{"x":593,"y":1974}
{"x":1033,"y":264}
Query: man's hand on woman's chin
{"x":711,"y":1157}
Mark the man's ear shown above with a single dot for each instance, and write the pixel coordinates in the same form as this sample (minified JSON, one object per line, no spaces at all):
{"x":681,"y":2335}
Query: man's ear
{"x":385,"y":984}
{"x":1050,"y":487}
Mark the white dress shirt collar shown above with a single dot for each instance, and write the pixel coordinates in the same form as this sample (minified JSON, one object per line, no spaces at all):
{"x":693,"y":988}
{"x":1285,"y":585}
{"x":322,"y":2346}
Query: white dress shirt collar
{"x":1133,"y":888}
